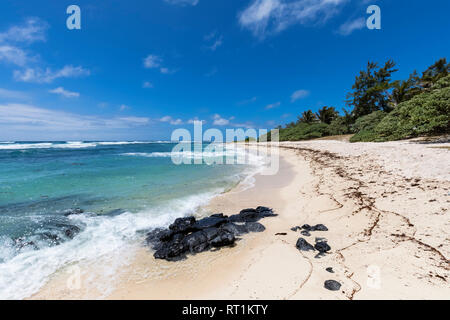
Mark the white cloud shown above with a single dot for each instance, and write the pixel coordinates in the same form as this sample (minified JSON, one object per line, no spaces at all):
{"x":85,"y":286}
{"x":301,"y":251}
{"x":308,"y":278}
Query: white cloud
{"x":215,"y":40}
{"x":246,"y":125}
{"x":176,"y":122}
{"x":219,"y":121}
{"x":27,"y":117}
{"x":172,"y":121}
{"x":217,"y":43}
{"x":352,"y":25}
{"x":152,"y":61}
{"x":165,"y":70}
{"x":147,"y":84}
{"x":46,"y":76}
{"x":134,"y":120}
{"x":183,"y":2}
{"x":12,"y":94}
{"x":124,"y":107}
{"x":63,"y":92}
{"x":31,"y":31}
{"x":14,"y":55}
{"x":165,"y":119}
{"x":299,"y":94}
{"x":264,"y":17}
{"x":196,"y":120}
{"x":273,"y":105}
{"x":247,"y":101}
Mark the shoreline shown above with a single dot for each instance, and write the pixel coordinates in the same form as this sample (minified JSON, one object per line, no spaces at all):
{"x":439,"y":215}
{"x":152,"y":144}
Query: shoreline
{"x":384,"y":244}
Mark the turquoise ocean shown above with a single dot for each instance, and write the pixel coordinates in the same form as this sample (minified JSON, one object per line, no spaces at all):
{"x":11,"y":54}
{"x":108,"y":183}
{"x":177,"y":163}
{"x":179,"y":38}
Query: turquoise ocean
{"x":123,"y":188}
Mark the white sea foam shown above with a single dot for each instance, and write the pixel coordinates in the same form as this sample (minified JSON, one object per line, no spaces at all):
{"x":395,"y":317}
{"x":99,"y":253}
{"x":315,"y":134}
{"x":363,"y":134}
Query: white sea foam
{"x":103,"y":236}
{"x":113,"y":143}
{"x":255,"y":162}
{"x":66,"y":145}
{"x":184,"y":154}
{"x":245,"y":156}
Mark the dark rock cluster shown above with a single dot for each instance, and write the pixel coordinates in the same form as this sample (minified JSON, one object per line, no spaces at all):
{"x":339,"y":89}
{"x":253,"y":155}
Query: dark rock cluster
{"x":307,"y":229}
{"x":70,"y":212}
{"x":188,"y":235}
{"x":321,"y":245}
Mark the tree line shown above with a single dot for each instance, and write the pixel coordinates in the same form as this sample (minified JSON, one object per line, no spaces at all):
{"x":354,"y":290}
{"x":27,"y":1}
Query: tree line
{"x":380,"y":109}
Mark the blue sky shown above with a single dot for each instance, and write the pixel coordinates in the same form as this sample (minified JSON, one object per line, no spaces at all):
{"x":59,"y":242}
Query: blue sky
{"x":140,"y":69}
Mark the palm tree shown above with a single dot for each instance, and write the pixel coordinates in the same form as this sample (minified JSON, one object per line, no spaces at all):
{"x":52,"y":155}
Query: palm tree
{"x":307,"y":117}
{"x":327,"y":114}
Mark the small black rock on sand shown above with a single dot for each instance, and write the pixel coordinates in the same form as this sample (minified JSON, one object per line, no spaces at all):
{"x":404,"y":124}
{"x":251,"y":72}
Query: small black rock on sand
{"x":332,"y":285}
{"x":188,"y":235}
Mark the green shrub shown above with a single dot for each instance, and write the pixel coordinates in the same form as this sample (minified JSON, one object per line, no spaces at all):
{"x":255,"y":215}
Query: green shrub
{"x":364,"y":126}
{"x":304,"y":131}
{"x":425,"y":114}
{"x":338,"y":127}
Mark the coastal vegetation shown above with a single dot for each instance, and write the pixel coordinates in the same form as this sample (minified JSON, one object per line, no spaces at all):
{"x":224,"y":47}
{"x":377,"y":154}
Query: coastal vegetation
{"x":381,"y":109}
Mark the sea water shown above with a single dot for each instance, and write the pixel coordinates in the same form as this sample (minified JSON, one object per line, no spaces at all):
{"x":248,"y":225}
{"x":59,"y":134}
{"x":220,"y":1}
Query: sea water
{"x":124,"y":189}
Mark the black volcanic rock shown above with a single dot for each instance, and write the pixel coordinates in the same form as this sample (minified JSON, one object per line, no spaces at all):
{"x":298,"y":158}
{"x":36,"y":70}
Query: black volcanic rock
{"x":303,"y":245}
{"x":173,"y":249}
{"x":252,"y":215}
{"x":182,"y":225}
{"x":196,"y":242}
{"x":254,"y":227}
{"x":306,"y":227}
{"x":73,"y":211}
{"x":223,"y":238}
{"x":218,"y":215}
{"x":322,"y":246}
{"x":71,"y":231}
{"x":320,"y":227}
{"x":317,"y":227}
{"x":187,"y":235}
{"x":234,"y":228}
{"x":332,"y":285}
{"x":209,"y":222}
{"x":113,"y":213}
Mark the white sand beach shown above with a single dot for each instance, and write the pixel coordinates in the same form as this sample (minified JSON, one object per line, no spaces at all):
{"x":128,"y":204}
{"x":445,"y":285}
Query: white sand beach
{"x":386,"y":207}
